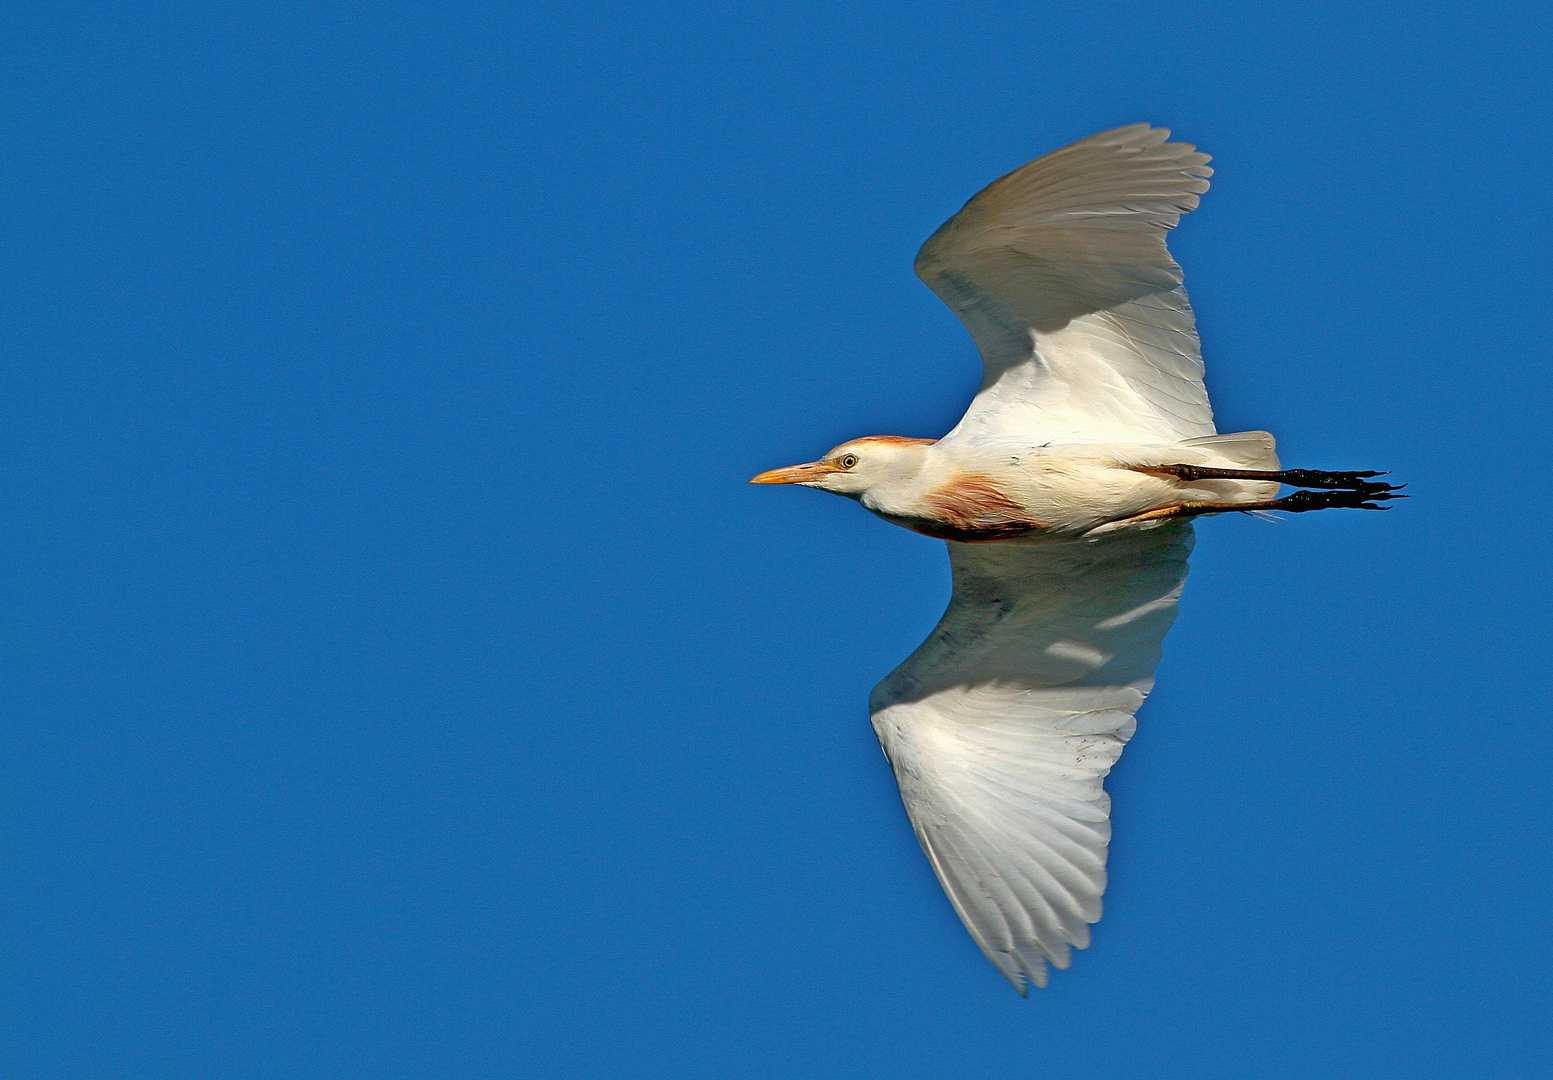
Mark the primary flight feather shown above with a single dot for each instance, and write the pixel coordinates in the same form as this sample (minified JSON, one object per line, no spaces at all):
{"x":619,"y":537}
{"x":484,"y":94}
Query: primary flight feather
{"x":1065,"y":494}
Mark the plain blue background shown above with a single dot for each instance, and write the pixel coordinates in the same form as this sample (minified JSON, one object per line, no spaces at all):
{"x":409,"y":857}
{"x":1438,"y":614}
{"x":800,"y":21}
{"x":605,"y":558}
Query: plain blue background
{"x":403,"y":681}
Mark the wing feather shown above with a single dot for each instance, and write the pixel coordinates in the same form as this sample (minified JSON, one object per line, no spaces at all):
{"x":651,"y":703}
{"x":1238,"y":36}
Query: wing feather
{"x":1002,"y":726}
{"x":1061,"y":274}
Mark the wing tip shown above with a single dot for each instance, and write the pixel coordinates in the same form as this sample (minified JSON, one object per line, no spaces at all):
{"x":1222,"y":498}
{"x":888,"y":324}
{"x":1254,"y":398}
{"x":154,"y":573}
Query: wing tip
{"x":1021,"y":975}
{"x":1144,"y":136}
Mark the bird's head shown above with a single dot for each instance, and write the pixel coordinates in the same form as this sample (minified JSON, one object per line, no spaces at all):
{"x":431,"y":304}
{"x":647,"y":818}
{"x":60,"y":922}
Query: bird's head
{"x":854,"y":467}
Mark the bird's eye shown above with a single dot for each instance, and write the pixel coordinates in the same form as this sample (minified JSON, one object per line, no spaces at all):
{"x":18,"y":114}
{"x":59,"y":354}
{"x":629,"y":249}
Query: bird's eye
{"x":846,"y":461}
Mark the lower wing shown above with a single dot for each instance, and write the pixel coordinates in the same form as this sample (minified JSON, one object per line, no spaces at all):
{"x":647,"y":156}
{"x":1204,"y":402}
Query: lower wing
{"x":1002,"y":726}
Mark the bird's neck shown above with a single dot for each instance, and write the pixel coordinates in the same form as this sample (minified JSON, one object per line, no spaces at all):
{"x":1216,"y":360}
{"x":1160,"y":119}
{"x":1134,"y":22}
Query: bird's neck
{"x":900,"y":491}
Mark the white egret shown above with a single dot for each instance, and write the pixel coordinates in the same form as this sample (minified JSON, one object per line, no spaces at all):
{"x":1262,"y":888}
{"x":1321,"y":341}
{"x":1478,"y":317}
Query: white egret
{"x":1065,"y":494}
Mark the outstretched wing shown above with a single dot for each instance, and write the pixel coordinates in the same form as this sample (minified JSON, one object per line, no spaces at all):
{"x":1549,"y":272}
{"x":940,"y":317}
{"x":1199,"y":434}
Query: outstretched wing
{"x":1060,"y":272}
{"x":1003,"y":724}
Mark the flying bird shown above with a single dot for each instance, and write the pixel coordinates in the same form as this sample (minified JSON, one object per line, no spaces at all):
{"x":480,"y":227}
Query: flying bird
{"x":1066,"y":495}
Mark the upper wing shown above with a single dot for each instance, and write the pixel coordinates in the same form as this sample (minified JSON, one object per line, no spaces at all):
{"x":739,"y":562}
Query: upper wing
{"x":1060,"y":272}
{"x":1003,"y":724}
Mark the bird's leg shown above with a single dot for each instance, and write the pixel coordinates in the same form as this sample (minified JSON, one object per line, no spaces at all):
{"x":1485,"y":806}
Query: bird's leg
{"x":1305,"y":478}
{"x":1297,"y":503}
{"x":1335,"y":489}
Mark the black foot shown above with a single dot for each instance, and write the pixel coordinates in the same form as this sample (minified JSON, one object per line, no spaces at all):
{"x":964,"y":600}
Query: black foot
{"x":1353,"y":481}
{"x":1354,"y":499}
{"x":1305,"y":478}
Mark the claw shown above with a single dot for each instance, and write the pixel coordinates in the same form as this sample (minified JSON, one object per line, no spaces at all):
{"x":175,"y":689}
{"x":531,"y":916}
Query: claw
{"x":1355,"y":481}
{"x":1302,"y":501}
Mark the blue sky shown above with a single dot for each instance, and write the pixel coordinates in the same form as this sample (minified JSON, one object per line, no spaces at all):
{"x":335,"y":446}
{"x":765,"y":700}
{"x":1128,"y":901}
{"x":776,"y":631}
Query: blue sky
{"x":403,"y":681}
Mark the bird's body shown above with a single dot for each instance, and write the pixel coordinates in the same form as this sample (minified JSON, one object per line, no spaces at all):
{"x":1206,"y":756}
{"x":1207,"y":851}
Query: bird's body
{"x":977,"y":492}
{"x":1066,"y":494}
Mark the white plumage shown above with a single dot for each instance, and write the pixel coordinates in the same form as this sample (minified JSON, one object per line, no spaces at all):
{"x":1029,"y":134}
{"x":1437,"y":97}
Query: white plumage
{"x":1065,"y":494}
{"x":1003,"y":724}
{"x":1060,"y":272}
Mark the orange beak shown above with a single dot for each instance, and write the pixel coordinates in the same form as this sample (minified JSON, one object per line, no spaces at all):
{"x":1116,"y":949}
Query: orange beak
{"x":796,"y":474}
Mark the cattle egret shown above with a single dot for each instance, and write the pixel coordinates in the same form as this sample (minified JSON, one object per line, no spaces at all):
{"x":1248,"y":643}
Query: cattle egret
{"x":1066,"y":495}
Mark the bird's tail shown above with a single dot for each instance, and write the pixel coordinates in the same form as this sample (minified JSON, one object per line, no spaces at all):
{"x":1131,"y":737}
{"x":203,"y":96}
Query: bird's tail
{"x":1240,"y":450}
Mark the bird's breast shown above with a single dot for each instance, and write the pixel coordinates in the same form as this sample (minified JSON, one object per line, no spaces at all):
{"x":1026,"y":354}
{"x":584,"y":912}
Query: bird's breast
{"x":969,"y":508}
